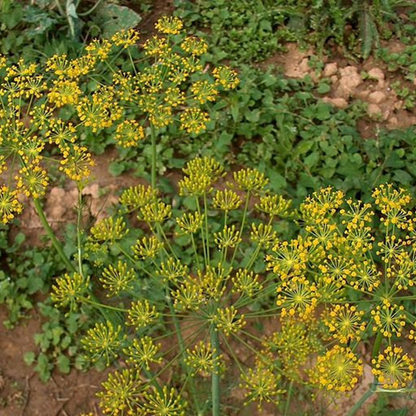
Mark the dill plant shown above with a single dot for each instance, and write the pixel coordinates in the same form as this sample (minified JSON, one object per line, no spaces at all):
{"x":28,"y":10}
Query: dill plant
{"x":215,"y":263}
{"x":212,"y":278}
{"x":47,"y":109}
{"x":347,"y":279}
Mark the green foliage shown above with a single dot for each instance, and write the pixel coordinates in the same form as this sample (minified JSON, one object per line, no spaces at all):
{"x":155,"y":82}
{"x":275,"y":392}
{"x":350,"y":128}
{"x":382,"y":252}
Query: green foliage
{"x":252,"y":30}
{"x":58,"y":343}
{"x":45,"y":27}
{"x":282,"y":126}
{"x":26,"y":272}
{"x":403,"y":62}
{"x":242,"y":31}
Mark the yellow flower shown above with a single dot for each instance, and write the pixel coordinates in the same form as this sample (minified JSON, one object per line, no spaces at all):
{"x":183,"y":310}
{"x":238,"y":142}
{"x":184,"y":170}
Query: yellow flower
{"x":126,"y":38}
{"x":103,"y":341}
{"x":226,"y":200}
{"x":261,"y":385}
{"x":226,"y":77}
{"x":117,"y":279}
{"x":141,"y":314}
{"x":9,"y":205}
{"x":250,"y":180}
{"x":128,"y":133}
{"x":142,"y":352}
{"x":389,"y":319}
{"x":166,"y":402}
{"x":338,"y":370}
{"x":170,"y":25}
{"x":138,"y":196}
{"x":228,"y":321}
{"x":123,"y":393}
{"x":345,"y":323}
{"x":194,"y":46}
{"x":69,"y":290}
{"x":64,"y":92}
{"x":203,"y":91}
{"x":297,"y":296}
{"x":194,"y":120}
{"x":190,"y":223}
{"x":393,"y":368}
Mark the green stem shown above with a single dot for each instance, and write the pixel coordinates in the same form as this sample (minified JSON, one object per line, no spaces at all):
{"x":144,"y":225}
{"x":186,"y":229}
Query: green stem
{"x":242,"y":225}
{"x":153,"y":136}
{"x":215,"y":342}
{"x":206,"y":226}
{"x":195,"y":251}
{"x":182,"y":352}
{"x":202,"y":232}
{"x":79,"y":223}
{"x":51,"y":235}
{"x":370,"y":391}
{"x":377,"y":345}
{"x":97,"y":3}
{"x":289,"y":396}
{"x":360,"y":402}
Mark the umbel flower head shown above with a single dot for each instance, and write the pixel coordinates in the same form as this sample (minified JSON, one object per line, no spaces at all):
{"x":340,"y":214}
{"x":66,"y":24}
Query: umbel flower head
{"x":338,"y":370}
{"x":199,"y":276}
{"x":167,"y":85}
{"x":393,"y":368}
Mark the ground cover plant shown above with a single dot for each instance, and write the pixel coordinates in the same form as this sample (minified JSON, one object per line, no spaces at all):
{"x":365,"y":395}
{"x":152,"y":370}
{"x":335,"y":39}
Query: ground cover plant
{"x":209,"y":284}
{"x":256,"y":29}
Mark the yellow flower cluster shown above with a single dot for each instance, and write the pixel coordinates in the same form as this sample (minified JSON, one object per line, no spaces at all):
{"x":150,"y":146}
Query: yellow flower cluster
{"x":393,"y":368}
{"x":338,"y":370}
{"x":157,"y":91}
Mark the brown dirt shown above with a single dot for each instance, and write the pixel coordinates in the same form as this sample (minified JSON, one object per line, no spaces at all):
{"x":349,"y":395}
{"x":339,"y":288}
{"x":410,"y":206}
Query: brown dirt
{"x":367,"y":82}
{"x":21,"y":391}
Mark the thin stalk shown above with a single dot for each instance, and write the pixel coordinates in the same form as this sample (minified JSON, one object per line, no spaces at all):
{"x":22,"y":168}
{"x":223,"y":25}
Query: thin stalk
{"x":206,"y":226}
{"x":101,"y":306}
{"x":195,"y":251}
{"x":215,"y":390}
{"x":360,"y":402}
{"x":97,"y":3}
{"x":153,"y":174}
{"x":202,"y":232}
{"x":182,"y":351}
{"x":370,"y":391}
{"x":289,"y":396}
{"x":377,"y":345}
{"x":79,"y":221}
{"x":60,"y":9}
{"x":51,"y":235}
{"x":242,"y":225}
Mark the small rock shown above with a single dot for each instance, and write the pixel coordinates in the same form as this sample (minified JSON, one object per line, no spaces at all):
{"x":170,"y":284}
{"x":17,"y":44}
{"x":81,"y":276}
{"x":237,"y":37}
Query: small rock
{"x":377,"y":97}
{"x":330,"y":69}
{"x":350,"y":80}
{"x":373,"y":110}
{"x":334,"y":79}
{"x":398,"y":105}
{"x":336,"y":102}
{"x":393,"y":123}
{"x":376,"y":73}
{"x":348,"y":71}
{"x":376,"y":112}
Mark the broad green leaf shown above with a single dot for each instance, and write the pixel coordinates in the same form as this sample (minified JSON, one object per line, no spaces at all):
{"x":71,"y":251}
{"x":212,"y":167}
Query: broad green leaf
{"x":114,"y":18}
{"x":367,"y":33}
